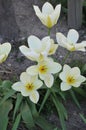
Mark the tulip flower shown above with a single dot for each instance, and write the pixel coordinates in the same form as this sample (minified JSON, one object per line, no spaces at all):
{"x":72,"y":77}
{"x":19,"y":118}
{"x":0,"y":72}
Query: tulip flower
{"x":45,"y":70}
{"x":5,"y":49}
{"x":28,"y":86}
{"x":70,"y":77}
{"x":70,"y":42}
{"x":38,"y":49}
{"x":49,"y":16}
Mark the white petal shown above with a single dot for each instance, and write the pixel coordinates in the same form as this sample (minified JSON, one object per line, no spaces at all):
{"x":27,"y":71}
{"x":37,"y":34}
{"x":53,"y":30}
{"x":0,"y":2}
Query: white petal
{"x":24,"y":92}
{"x":46,"y":42}
{"x":34,"y":43}
{"x":79,"y":80}
{"x":37,"y":10}
{"x":33,"y":70}
{"x":81,"y":46}
{"x":25,"y":78}
{"x":55,"y":15}
{"x":47,"y":8}
{"x":17,"y":86}
{"x":61,"y":39}
{"x":5,"y":48}
{"x":37,"y":84}
{"x":54,"y":67}
{"x":65,"y":72}
{"x":65,"y":86}
{"x":73,"y":36}
{"x":34,"y":97}
{"x":75,"y":72}
{"x":49,"y":80}
{"x":2,"y":58}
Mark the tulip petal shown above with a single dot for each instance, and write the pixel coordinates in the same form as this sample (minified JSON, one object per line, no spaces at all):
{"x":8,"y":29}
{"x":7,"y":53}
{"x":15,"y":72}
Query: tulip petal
{"x":34,"y":43}
{"x":34,"y":97}
{"x":65,"y":86}
{"x":17,"y":86}
{"x":5,"y":48}
{"x":54,"y":67}
{"x":25,"y":78}
{"x":55,"y":15}
{"x":65,"y":72}
{"x":81,"y":46}
{"x":32,"y":70}
{"x":73,"y":36}
{"x":37,"y":84}
{"x":49,"y":79}
{"x":47,"y":8}
{"x":62,"y":40}
{"x":79,"y":80}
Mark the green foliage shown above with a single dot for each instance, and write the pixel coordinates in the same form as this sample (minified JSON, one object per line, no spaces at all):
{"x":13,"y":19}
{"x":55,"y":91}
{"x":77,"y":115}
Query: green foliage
{"x":4,"y":111}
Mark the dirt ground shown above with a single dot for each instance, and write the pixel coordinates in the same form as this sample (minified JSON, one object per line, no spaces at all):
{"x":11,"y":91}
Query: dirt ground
{"x":23,"y":21}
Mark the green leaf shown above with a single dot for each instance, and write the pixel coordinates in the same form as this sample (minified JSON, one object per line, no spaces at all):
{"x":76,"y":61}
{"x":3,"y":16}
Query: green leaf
{"x":8,"y":95}
{"x":83,"y":118}
{"x":75,"y":99}
{"x":27,"y":115}
{"x":44,"y":100}
{"x":83,"y":68}
{"x":80,"y":91}
{"x":40,"y":121}
{"x":6,"y":84}
{"x":60,"y":112}
{"x":32,"y":108}
{"x":17,"y":121}
{"x":17,"y":105}
{"x":4,"y":110}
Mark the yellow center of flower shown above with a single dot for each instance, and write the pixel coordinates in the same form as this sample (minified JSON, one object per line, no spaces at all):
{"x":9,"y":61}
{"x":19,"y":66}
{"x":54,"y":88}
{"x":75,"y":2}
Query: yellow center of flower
{"x":42,"y":69}
{"x":49,"y":22}
{"x":70,"y":80}
{"x":72,"y":48}
{"x":29,"y":87}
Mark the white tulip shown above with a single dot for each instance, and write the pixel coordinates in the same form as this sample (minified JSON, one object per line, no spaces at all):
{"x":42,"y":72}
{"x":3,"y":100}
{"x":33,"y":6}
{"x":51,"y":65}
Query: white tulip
{"x":70,"y":42}
{"x":49,"y":16}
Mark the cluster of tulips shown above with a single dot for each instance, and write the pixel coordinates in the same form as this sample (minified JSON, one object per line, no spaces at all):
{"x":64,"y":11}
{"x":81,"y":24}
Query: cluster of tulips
{"x":40,"y":50}
{"x":46,"y":70}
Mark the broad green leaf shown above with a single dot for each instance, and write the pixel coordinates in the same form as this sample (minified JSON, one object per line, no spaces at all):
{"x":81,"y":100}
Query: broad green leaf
{"x":17,"y":104}
{"x":74,"y":98}
{"x":6,"y":84}
{"x":33,"y":108}
{"x":8,"y":95}
{"x":83,"y":118}
{"x":80,"y":91}
{"x":40,"y":121}
{"x":60,"y":112}
{"x":27,"y":115}
{"x":44,"y":100}
{"x":83,"y":68}
{"x":17,"y":121}
{"x":4,"y":111}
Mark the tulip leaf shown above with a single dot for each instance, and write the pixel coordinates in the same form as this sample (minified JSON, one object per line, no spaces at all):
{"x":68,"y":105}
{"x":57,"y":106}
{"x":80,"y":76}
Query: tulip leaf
{"x":17,"y":121}
{"x":33,"y":108}
{"x":74,"y":98}
{"x":60,"y":111}
{"x":80,"y":91}
{"x":4,"y":111}
{"x":44,"y":100}
{"x":27,"y":115}
{"x":8,"y":95}
{"x":17,"y":105}
{"x":83,"y":118}
{"x":6,"y":84}
{"x":41,"y":122}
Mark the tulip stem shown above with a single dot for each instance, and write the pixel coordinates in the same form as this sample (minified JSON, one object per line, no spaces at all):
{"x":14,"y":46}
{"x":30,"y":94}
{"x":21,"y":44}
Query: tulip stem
{"x":49,"y":31}
{"x":66,"y":57}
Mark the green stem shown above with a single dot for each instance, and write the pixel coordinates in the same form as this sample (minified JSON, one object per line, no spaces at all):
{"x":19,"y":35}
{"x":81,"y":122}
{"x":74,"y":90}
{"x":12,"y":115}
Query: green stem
{"x":66,"y":57}
{"x":49,"y":31}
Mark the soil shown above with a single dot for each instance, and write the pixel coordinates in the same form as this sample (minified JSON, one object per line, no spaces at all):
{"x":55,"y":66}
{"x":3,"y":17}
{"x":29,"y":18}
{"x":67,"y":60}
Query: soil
{"x":22,"y":23}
